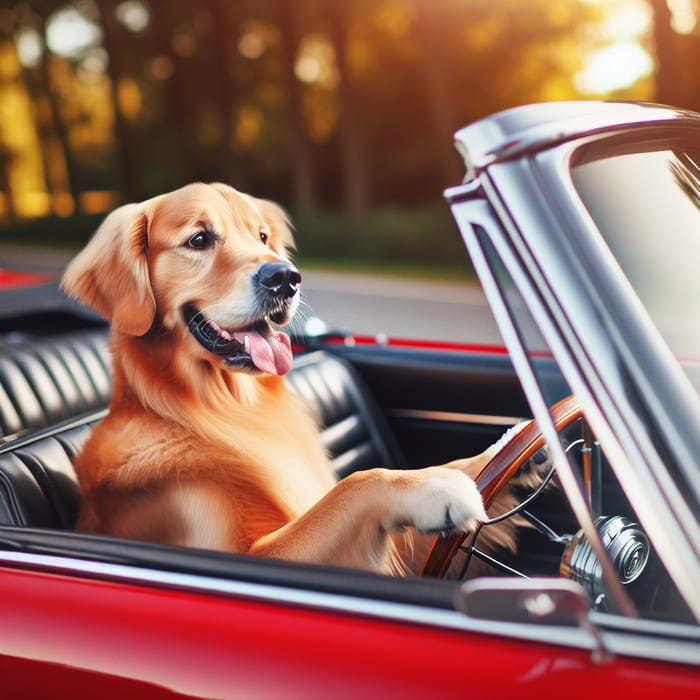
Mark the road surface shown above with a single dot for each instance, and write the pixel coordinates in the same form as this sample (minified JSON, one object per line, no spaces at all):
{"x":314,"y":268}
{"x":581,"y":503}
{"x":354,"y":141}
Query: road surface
{"x":400,"y":307}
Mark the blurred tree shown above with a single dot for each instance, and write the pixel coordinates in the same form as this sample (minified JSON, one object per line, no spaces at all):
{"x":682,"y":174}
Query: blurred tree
{"x":171,"y":41}
{"x":125,"y":159}
{"x":353,"y":114}
{"x":302,"y":166}
{"x":669,"y":89}
{"x":440,"y":90}
{"x":49,"y":71}
{"x":421,"y":83}
{"x":223,"y":55}
{"x":8,"y":214}
{"x":677,"y":54}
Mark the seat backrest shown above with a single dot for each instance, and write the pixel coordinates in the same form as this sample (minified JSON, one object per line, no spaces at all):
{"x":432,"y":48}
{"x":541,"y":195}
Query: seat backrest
{"x":38,"y":487}
{"x":354,"y":431}
{"x":44,"y":381}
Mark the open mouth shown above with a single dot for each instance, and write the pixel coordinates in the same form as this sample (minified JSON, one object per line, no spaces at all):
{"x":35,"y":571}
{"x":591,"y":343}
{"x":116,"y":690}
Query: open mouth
{"x":257,"y":347}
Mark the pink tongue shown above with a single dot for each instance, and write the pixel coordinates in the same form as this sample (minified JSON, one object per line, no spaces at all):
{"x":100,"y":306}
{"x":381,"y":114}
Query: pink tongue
{"x":271,"y":354}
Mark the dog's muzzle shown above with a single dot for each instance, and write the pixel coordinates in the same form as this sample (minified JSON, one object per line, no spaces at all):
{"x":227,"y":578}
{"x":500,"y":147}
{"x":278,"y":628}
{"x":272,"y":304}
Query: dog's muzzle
{"x":257,"y":346}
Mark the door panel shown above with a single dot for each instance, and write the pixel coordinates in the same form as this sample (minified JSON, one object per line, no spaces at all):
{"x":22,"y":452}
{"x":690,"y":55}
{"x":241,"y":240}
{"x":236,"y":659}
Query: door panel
{"x":441,"y":405}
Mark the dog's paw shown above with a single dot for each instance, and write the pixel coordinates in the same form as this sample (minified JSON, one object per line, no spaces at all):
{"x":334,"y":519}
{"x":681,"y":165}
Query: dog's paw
{"x":445,"y":500}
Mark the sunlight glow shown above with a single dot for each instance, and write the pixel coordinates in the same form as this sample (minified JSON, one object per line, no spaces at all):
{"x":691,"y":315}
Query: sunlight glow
{"x":614,"y":67}
{"x":316,"y":63}
{"x":621,"y":60}
{"x":683,"y":15}
{"x":68,"y":33}
{"x":630,"y":20}
{"x":134,"y":15}
{"x":29,"y":47}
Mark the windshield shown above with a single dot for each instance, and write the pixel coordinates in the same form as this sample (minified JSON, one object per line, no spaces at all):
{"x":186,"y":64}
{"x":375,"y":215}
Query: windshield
{"x":647,"y":207}
{"x":635,"y":559}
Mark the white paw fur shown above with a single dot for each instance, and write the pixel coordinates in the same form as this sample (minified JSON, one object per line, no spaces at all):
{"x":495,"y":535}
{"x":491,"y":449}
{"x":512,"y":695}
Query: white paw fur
{"x":505,"y":439}
{"x":446,"y":499}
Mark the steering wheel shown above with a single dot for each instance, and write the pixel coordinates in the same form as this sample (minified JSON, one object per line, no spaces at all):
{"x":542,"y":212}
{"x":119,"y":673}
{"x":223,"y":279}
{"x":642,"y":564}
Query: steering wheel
{"x":494,"y":477}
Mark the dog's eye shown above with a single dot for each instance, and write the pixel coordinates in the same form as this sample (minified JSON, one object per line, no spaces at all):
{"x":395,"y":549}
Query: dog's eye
{"x":263,"y":237}
{"x":201,"y":240}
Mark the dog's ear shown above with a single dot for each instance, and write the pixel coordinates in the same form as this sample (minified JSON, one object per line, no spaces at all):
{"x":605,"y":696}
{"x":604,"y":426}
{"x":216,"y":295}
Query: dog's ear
{"x":111,"y":273}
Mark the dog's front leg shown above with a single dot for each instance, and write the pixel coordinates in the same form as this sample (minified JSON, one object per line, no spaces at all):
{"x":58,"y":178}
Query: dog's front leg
{"x":353,"y":524}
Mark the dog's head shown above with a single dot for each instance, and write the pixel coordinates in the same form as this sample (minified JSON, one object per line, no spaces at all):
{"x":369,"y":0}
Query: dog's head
{"x":204,"y":263}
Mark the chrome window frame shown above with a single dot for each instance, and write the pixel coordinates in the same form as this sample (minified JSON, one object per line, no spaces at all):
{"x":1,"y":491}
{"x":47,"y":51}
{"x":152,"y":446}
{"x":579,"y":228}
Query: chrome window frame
{"x":531,"y":194}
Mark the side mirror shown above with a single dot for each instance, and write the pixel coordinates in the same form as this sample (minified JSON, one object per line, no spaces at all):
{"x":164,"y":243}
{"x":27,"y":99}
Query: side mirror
{"x":544,"y":601}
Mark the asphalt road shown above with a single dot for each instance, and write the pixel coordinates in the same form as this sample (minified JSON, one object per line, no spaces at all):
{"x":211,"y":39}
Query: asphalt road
{"x":400,"y":307}
{"x":365,"y":304}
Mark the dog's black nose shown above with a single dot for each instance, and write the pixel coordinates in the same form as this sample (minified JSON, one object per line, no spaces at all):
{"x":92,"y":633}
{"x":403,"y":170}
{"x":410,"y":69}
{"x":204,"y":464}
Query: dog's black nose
{"x":281,"y":278}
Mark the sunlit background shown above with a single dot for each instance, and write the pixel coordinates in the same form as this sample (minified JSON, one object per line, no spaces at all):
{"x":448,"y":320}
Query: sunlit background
{"x":342,"y":110}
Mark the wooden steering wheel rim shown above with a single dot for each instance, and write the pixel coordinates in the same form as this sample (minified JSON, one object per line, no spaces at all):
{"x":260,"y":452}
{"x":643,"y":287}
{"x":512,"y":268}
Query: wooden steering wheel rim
{"x":494,"y":476}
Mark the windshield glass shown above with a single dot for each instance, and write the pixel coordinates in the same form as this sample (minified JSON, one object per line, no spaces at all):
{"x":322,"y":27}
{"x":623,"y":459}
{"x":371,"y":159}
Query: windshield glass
{"x":647,"y":206}
{"x":634,"y":557}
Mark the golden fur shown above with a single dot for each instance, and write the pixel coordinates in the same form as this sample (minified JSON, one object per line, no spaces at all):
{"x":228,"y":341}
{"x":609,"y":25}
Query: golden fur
{"x":195,"y":452}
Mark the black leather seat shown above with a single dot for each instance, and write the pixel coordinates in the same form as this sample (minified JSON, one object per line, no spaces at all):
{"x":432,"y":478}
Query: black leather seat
{"x":44,"y":381}
{"x":38,"y":487}
{"x":354,"y":431}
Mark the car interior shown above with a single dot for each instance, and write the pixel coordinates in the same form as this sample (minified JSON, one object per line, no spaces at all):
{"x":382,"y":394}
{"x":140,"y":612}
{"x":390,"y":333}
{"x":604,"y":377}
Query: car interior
{"x":379,"y":406}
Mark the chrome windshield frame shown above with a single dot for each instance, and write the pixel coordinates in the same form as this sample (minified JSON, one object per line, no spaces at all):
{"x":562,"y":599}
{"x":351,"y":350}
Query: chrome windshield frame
{"x":471,"y":217}
{"x":533,"y":200}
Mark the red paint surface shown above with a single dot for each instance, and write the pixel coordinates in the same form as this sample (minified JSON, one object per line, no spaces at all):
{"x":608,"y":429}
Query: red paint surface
{"x":408,"y":344}
{"x":79,"y":638}
{"x":422,"y":344}
{"x":10,"y":279}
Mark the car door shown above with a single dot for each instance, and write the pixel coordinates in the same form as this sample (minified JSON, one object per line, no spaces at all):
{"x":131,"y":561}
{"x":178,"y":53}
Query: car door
{"x":84,"y":629}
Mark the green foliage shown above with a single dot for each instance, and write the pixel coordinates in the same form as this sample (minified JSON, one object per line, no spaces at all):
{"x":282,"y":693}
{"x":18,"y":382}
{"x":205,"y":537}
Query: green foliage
{"x":54,"y":231}
{"x":391,"y":236}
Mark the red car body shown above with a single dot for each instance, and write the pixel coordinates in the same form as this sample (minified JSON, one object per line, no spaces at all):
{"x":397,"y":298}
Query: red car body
{"x":69,"y":636}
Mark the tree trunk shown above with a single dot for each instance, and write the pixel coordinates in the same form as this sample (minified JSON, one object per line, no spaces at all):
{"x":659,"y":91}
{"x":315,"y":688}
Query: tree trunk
{"x":123,"y":151}
{"x":669,"y":83}
{"x":178,"y":108}
{"x":303,"y":171}
{"x":352,"y":138}
{"x":439,"y":91}
{"x":59,"y":127}
{"x":224,"y":89}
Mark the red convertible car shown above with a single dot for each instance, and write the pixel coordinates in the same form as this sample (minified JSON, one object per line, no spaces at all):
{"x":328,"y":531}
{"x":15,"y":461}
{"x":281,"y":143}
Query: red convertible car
{"x":582,"y":220}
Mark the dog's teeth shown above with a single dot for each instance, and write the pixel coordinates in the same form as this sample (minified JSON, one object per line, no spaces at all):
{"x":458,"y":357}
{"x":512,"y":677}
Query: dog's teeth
{"x":221,"y":332}
{"x":246,"y":345}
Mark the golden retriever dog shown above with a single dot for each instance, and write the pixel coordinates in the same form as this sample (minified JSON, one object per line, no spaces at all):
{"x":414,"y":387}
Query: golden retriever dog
{"x":204,"y":445}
